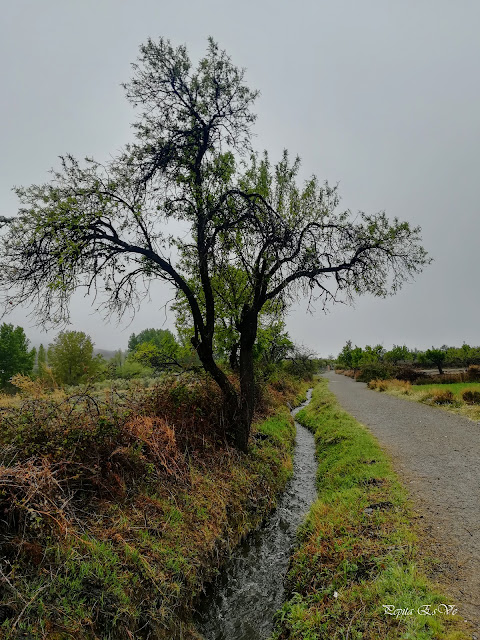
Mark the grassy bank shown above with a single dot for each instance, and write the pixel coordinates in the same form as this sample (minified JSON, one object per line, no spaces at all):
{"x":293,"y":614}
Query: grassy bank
{"x":116,"y":513}
{"x":451,"y":397}
{"x":357,"y":549}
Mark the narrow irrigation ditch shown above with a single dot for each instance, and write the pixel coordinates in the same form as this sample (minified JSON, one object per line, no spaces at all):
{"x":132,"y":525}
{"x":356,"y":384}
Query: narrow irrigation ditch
{"x":243,"y":600}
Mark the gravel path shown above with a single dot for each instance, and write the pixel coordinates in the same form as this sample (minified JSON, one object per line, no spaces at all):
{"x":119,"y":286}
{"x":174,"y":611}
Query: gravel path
{"x":437,"y":455}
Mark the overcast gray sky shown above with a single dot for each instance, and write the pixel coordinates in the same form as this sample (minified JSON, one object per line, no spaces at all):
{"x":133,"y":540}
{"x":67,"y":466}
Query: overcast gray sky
{"x":381,"y":96}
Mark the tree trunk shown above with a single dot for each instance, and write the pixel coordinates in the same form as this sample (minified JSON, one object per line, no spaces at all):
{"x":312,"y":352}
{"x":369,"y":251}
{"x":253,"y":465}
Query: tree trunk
{"x":440,"y":370}
{"x":231,"y":402}
{"x":248,"y":334}
{"x":238,"y":411}
{"x":233,"y":357}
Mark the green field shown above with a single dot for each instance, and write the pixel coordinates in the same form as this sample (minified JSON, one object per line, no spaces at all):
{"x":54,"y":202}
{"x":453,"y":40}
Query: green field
{"x":456,"y":387}
{"x":431,"y":394}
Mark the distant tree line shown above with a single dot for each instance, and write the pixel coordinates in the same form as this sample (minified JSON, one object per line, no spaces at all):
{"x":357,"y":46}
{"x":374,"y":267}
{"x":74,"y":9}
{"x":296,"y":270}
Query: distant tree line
{"x":70,"y":359}
{"x":354,"y":357}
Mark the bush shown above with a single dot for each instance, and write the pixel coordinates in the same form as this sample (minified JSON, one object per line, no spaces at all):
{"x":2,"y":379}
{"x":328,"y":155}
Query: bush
{"x":442,"y":397}
{"x":471,"y":396}
{"x":390,"y":385}
{"x":408,"y":374}
{"x":376,"y":371}
{"x":473,"y":373}
{"x":446,"y":378}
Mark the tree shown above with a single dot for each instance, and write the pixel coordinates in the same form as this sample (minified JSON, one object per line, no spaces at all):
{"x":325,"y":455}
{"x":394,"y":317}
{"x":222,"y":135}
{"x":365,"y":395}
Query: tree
{"x":155,"y":348}
{"x":467,"y":355}
{"x":41,"y":367}
{"x":345,"y":356}
{"x":163,"y":339}
{"x":372,"y":355}
{"x":273,"y":344}
{"x":357,"y":357}
{"x":71,"y":357}
{"x":41,"y":357}
{"x":15,"y":355}
{"x":184,"y":203}
{"x":397,"y":354}
{"x":434,"y":356}
{"x":302,"y":362}
{"x":352,"y":357}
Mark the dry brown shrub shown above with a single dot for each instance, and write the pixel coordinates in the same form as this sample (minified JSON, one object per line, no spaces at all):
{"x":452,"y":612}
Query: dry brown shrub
{"x":34,"y":497}
{"x":29,"y":387}
{"x":400,"y":385}
{"x":473,"y":373}
{"x":158,"y":442}
{"x":471,"y":396}
{"x":193,"y":405}
{"x":390,"y":385}
{"x":442,"y":397}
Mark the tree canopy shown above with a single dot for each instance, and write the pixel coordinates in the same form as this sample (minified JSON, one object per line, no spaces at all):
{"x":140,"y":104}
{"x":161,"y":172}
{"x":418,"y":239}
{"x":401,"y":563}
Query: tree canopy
{"x":189,"y":203}
{"x":15,"y":354}
{"x":71,"y":357}
{"x":434,"y":356}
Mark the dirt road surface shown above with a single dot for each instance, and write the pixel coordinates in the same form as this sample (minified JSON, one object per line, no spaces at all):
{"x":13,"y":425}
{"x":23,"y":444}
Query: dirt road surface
{"x":437,"y":456}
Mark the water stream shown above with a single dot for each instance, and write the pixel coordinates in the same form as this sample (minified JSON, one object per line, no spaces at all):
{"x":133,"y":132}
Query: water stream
{"x":249,"y":591}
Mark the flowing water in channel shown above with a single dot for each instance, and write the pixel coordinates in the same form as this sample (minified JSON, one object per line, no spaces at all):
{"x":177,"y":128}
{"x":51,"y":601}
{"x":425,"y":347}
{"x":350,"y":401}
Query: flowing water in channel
{"x":250,"y":588}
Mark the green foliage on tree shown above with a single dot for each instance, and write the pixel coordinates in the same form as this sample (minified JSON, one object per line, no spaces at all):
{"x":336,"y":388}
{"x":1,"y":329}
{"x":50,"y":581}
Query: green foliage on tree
{"x":344,"y":359}
{"x":463,"y":356}
{"x":41,"y":358}
{"x":350,"y":357}
{"x":252,"y":233}
{"x":130,"y":369}
{"x":372,"y":355}
{"x":273,"y":344}
{"x":15,"y":355}
{"x":434,"y":356}
{"x":301,"y":362}
{"x":159,"y":350}
{"x":163,"y":339}
{"x":71,"y":358}
{"x":357,"y":357}
{"x":149,"y":355}
{"x":398,"y":354}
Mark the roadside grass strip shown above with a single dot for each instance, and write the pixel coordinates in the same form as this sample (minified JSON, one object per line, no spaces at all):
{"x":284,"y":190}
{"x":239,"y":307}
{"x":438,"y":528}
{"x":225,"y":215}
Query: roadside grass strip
{"x":355,"y":573}
{"x":444,"y":396}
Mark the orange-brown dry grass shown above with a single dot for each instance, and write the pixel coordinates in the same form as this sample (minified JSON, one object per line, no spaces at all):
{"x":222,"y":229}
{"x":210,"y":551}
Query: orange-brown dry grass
{"x":400,"y":386}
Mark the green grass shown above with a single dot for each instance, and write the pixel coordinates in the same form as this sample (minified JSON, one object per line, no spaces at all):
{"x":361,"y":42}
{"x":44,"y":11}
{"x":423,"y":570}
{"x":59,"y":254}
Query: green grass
{"x":456,"y":387}
{"x":357,"y":548}
{"x":426,"y":393}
